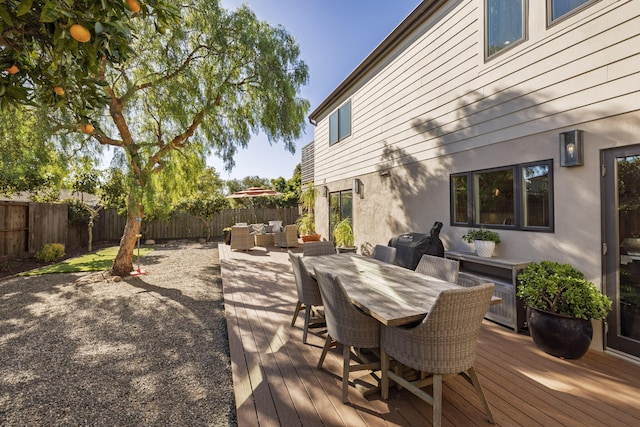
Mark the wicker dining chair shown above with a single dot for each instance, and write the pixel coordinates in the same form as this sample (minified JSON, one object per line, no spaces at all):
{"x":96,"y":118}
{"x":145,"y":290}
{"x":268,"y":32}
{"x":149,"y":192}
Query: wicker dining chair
{"x":318,"y":248}
{"x":443,"y":345}
{"x":346,"y":325}
{"x":442,"y":268}
{"x":241,"y":239}
{"x":384,"y":253}
{"x":308,"y":295}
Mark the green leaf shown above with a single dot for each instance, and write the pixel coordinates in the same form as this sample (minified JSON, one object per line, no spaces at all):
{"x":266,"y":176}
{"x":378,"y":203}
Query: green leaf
{"x":6,"y":17}
{"x":50,"y":12}
{"x":24,"y":7}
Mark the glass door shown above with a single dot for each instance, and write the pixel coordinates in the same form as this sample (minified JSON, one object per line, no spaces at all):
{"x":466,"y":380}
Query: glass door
{"x":621,"y":201}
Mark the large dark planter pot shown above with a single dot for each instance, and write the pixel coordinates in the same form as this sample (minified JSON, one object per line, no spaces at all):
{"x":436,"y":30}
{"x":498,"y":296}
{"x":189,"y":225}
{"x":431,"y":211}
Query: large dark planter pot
{"x":227,"y":237}
{"x":561,"y":336}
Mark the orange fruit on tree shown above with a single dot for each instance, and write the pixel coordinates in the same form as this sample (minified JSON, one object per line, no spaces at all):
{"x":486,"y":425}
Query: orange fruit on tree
{"x":80,"y":33}
{"x":86,"y":127}
{"x":58,"y":90}
{"x":134,"y":6}
{"x":13,"y":69}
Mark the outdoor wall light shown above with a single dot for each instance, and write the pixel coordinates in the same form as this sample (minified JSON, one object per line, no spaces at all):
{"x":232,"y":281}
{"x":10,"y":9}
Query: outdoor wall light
{"x":571,"y":148}
{"x":357,"y":187}
{"x":325,"y":191}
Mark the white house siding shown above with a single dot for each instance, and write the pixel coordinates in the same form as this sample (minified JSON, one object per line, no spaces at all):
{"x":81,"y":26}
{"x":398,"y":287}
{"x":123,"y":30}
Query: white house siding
{"x":433,"y":107}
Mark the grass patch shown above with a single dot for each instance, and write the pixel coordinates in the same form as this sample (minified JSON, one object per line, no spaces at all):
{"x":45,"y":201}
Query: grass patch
{"x":95,"y":261}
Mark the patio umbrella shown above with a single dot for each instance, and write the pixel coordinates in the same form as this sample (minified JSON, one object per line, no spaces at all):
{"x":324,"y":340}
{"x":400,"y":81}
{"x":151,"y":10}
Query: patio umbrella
{"x":252,"y":192}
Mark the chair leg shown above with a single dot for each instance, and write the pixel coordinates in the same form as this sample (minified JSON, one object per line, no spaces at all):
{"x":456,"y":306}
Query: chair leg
{"x":476,"y":383}
{"x":307,"y":315}
{"x":437,"y":400}
{"x":346,"y":355}
{"x":384,"y":367}
{"x":327,"y":344}
{"x":295,"y":313}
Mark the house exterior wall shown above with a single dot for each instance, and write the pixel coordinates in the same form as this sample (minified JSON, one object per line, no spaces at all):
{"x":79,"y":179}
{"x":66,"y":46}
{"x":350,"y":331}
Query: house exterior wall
{"x":432,"y":106}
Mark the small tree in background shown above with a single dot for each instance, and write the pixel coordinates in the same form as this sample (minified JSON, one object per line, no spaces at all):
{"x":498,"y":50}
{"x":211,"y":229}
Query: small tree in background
{"x":207,"y":201}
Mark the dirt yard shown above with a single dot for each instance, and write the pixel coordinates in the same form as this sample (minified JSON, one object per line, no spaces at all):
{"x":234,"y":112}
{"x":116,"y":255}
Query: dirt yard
{"x":85,"y":349}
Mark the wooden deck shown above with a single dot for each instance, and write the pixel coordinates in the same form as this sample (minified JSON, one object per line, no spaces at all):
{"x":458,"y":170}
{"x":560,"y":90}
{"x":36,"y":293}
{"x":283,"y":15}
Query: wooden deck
{"x":277,"y":383}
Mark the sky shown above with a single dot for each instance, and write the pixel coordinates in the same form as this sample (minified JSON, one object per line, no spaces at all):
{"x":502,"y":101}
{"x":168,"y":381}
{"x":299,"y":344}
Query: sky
{"x":334,"y":36}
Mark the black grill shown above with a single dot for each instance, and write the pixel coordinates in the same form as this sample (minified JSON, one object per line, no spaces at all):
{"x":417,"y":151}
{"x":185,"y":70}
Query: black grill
{"x":411,"y":246}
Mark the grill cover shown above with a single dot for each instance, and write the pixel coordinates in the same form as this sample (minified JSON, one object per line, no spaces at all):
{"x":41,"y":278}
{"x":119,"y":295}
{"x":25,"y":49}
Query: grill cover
{"x":411,"y":246}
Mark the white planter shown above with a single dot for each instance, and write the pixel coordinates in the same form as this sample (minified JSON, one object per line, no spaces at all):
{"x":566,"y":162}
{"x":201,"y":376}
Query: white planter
{"x":484,"y":248}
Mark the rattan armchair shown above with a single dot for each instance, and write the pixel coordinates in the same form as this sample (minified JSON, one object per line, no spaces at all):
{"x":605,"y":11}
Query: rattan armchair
{"x":287,"y":238}
{"x":346,"y":325}
{"x":241,"y":239}
{"x":384,"y":253}
{"x":442,"y":268}
{"x":308,"y":295}
{"x":318,"y":248}
{"x":443,"y":345}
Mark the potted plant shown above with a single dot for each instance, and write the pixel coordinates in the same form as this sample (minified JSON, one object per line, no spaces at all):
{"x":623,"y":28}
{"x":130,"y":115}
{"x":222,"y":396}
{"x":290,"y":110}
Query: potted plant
{"x":343,"y":236}
{"x":306,"y":222}
{"x":560,"y":305}
{"x":484,"y":241}
{"x":226,"y":232}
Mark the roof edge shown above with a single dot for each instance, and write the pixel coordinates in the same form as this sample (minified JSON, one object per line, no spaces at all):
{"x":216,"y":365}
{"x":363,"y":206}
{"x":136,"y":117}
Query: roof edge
{"x":418,"y":16}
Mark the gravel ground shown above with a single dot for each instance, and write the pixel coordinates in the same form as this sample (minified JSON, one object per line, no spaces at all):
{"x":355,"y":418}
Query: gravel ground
{"x":85,"y":349}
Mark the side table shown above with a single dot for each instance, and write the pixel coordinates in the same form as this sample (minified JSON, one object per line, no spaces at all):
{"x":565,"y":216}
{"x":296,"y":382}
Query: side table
{"x":264,"y":239}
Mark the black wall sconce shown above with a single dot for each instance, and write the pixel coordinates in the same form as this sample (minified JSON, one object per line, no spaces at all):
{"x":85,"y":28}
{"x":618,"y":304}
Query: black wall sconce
{"x":357,"y":187}
{"x":571,"y":152}
{"x":325,"y":191}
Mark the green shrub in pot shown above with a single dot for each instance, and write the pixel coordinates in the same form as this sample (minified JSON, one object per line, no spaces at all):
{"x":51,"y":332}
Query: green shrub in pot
{"x":560,"y":288}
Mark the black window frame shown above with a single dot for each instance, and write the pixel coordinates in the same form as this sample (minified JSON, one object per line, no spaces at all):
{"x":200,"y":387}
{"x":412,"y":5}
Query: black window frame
{"x":339,"y":194}
{"x":519,"y":194}
{"x":525,"y":31}
{"x":338,"y":116}
{"x":551,"y":20}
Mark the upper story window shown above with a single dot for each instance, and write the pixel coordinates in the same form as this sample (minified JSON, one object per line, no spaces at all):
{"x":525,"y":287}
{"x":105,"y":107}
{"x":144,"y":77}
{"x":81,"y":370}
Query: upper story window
{"x":505,"y":23}
{"x":340,"y":123}
{"x":517,"y":197}
{"x":559,"y":8}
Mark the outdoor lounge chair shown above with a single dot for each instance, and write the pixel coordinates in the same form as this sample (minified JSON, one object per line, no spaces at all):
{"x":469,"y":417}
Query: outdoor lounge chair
{"x":308,"y":294}
{"x":442,"y":268}
{"x":347,"y":325}
{"x":241,"y":239}
{"x":384,"y":253}
{"x":288,"y":238}
{"x":443,"y":345}
{"x":318,"y":248}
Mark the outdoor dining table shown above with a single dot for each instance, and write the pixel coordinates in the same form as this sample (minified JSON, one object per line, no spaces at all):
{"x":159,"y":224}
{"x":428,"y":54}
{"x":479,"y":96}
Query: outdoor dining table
{"x":391,"y":294}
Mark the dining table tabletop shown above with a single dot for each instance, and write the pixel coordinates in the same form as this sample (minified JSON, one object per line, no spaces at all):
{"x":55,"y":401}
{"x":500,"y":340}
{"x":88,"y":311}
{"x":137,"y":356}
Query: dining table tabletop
{"x":391,"y":294}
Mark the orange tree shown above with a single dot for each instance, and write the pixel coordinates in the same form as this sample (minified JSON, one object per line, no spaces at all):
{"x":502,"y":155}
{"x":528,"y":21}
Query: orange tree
{"x":181,"y":90}
{"x":51,"y":51}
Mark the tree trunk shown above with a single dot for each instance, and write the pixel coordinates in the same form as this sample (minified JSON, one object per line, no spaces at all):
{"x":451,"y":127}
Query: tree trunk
{"x":123,"y":263}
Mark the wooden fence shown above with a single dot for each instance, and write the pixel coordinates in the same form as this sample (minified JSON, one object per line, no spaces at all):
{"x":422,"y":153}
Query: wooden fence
{"x":110,"y":225}
{"x":25,"y":227}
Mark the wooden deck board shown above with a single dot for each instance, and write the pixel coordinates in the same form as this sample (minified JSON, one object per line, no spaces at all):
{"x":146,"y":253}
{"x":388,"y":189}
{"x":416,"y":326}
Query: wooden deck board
{"x":276,"y":381}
